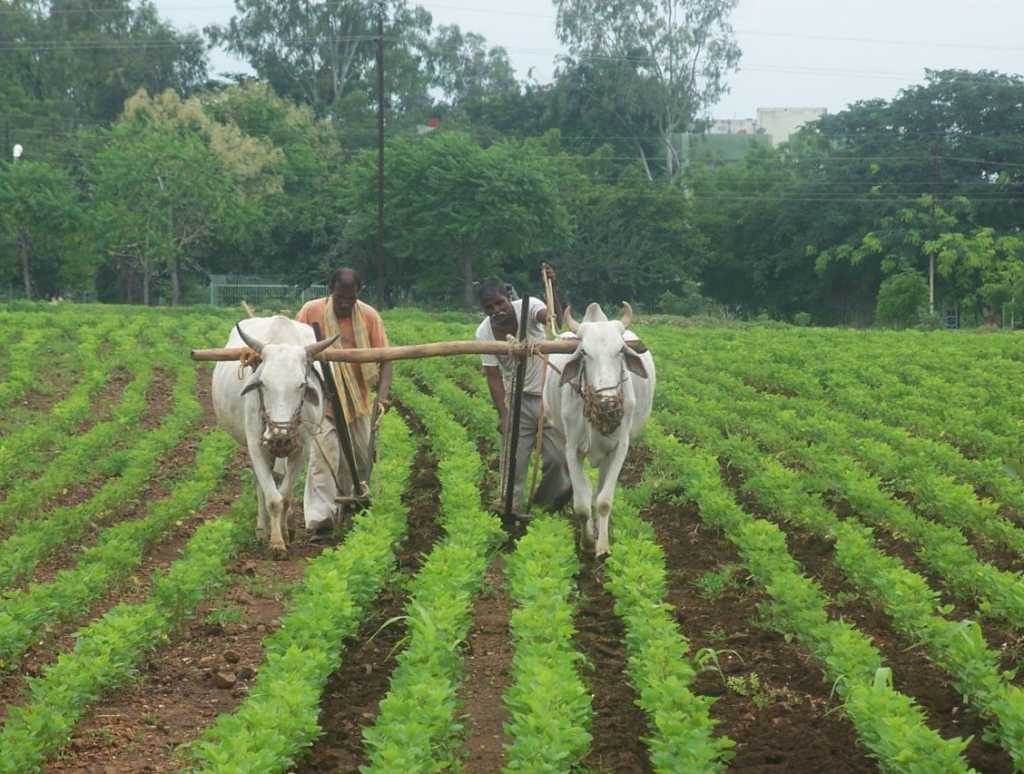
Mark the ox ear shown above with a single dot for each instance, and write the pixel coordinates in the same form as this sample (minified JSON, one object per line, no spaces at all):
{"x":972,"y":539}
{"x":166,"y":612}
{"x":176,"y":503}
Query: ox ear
{"x":254,"y":383}
{"x":571,"y":369}
{"x":634,"y":363}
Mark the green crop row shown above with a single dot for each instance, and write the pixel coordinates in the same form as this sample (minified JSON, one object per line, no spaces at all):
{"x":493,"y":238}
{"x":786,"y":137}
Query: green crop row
{"x":942,"y":549}
{"x":279,"y":718}
{"x":417,"y":724}
{"x":81,"y":457}
{"x":682,"y":730}
{"x":108,"y":652}
{"x":118,"y":553}
{"x":888,"y":723}
{"x":34,"y":539}
{"x":907,"y":469}
{"x":27,"y":449}
{"x":959,"y":647}
{"x":548,"y":703}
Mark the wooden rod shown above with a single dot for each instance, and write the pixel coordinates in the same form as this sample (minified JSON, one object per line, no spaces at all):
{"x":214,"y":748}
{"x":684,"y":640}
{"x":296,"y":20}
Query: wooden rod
{"x":415,"y":351}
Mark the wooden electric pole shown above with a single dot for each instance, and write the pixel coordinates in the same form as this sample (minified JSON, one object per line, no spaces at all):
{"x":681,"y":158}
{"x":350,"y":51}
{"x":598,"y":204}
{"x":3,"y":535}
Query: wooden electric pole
{"x":936,"y":172}
{"x":382,"y":286}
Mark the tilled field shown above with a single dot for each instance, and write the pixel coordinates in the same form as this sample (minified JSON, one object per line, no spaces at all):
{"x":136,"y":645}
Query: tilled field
{"x":815,"y":566}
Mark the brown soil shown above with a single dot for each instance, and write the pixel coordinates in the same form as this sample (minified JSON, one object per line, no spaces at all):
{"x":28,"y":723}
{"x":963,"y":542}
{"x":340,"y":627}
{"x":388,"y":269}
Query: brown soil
{"x":206,"y":671}
{"x":60,"y":638}
{"x":352,"y":696}
{"x":488,"y":675}
{"x":913,"y":674}
{"x":791,"y":723}
{"x":160,"y":396}
{"x":109,"y":396}
{"x":618,"y":723}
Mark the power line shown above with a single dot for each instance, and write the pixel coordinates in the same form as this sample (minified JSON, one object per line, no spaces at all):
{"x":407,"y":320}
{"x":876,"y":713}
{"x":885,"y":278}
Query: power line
{"x":551,"y":17}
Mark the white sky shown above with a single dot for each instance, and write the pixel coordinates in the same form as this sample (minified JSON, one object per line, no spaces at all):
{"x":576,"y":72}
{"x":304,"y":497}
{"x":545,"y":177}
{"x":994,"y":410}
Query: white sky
{"x":792,"y":56}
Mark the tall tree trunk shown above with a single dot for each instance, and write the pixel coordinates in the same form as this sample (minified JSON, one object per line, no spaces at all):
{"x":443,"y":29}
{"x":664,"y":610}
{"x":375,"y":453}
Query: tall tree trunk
{"x":467,"y":282}
{"x":25,"y":248}
{"x":146,"y":274}
{"x":175,"y":282}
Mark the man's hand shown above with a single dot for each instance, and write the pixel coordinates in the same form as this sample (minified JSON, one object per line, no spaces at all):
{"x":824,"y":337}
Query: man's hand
{"x":548,"y":272}
{"x":502,"y":423}
{"x":383,"y":404}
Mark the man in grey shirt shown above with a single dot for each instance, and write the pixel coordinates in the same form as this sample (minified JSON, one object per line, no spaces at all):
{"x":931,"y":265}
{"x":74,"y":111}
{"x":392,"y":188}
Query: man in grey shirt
{"x":502,"y":320}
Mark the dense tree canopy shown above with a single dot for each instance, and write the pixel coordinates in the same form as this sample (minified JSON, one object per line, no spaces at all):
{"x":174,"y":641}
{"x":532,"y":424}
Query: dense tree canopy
{"x":142,"y":176}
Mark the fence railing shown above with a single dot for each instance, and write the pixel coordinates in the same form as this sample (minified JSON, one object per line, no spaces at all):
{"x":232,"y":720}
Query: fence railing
{"x":264,"y":295}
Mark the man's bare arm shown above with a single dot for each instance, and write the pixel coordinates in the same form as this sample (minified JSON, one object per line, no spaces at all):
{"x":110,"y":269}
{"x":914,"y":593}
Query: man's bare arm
{"x":384,"y":385}
{"x":497,"y":387}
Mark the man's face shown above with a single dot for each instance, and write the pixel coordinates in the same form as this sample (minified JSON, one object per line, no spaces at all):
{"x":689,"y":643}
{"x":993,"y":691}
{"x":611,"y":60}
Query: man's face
{"x":499,"y":309}
{"x":344,"y":296}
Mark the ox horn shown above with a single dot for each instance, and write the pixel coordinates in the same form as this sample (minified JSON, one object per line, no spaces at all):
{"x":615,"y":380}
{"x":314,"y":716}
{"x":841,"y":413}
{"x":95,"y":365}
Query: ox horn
{"x":253,"y":344}
{"x":312,"y":350}
{"x":627,"y":314}
{"x":568,"y":322}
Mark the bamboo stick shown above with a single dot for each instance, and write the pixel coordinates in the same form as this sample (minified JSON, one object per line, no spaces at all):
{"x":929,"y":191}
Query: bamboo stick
{"x":415,"y":351}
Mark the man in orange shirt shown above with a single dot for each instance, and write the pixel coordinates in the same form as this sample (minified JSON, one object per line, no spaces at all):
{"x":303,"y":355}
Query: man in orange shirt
{"x":359,"y":325}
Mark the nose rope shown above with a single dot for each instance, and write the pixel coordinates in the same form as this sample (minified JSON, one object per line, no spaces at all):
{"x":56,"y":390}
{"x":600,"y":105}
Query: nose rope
{"x":279,"y":438}
{"x":604,"y":412}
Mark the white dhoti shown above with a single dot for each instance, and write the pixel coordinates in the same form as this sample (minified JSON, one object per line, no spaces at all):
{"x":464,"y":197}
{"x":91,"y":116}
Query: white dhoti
{"x":326,"y":461}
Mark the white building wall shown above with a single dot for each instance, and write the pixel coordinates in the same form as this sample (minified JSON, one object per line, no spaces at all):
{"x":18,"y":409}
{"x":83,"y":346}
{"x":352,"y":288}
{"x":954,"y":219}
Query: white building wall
{"x":733,"y":126}
{"x":782,"y":123}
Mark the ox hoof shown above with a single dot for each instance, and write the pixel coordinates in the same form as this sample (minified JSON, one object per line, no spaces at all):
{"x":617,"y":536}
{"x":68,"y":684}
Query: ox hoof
{"x":279,"y":553}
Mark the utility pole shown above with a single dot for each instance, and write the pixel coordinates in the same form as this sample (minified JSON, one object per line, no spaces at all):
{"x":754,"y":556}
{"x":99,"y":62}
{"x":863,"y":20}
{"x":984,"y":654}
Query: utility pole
{"x":936,"y":173}
{"x":382,"y":286}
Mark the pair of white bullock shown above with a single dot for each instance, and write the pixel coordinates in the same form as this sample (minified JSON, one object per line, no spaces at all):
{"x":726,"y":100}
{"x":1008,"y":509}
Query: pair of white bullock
{"x":599,"y":403}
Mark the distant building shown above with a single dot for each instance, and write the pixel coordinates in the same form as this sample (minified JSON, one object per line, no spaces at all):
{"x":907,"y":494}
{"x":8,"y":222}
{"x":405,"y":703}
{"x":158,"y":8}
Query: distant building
{"x":716,"y":149}
{"x":782,"y":123}
{"x":733,"y":126}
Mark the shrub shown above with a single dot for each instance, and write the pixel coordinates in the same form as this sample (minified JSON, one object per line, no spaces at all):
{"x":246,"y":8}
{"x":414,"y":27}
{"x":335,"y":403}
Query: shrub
{"x":901,"y":299}
{"x":803,"y":319}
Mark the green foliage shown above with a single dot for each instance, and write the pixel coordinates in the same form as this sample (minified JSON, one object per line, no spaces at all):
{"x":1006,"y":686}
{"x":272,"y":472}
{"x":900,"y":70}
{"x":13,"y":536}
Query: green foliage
{"x":417,"y":724}
{"x":647,"y":69}
{"x":453,"y":209}
{"x":41,"y":218}
{"x":901,"y":299}
{"x":279,"y":718}
{"x":548,"y":704}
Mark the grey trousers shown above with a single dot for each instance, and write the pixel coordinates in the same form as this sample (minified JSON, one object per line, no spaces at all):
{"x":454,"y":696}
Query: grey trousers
{"x":555,"y":487}
{"x":324,"y":457}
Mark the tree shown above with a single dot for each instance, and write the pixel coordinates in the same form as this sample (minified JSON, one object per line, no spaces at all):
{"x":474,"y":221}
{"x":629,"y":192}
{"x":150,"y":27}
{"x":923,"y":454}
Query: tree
{"x":172,"y":182}
{"x":300,"y":233}
{"x":902,"y":299}
{"x":453,"y":208}
{"x":41,"y":216}
{"x":323,"y":54}
{"x":633,"y":240}
{"x":468,"y":71}
{"x":654,"y":66}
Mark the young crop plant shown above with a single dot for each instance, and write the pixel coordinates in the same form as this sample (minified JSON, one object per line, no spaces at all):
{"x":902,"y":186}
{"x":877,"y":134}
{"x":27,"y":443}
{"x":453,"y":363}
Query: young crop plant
{"x":943,"y":549}
{"x":957,"y":647}
{"x":108,"y":652}
{"x":681,"y":734}
{"x":278,"y":720}
{"x":417,"y":725}
{"x":25,"y":447}
{"x":34,"y":539}
{"x":888,"y":722}
{"x":548,"y":704}
{"x":118,"y":553}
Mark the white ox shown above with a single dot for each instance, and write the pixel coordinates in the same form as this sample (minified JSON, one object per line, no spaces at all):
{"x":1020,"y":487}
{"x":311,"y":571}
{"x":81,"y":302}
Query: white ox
{"x":601,"y":402}
{"x":273,"y":410}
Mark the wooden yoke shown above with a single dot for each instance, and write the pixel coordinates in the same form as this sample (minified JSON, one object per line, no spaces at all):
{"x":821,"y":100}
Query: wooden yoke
{"x":416,"y":351}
